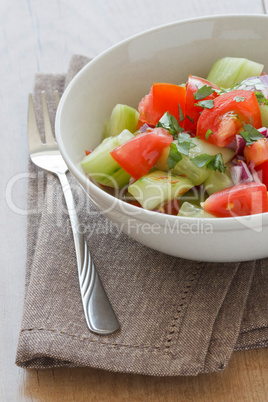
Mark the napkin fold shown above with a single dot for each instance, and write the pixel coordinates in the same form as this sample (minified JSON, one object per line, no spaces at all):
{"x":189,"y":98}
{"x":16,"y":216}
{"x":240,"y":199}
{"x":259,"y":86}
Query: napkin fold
{"x":177,"y":317}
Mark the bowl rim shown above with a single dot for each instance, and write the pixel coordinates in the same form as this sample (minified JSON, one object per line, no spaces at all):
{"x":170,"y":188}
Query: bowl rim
{"x":219,"y":224}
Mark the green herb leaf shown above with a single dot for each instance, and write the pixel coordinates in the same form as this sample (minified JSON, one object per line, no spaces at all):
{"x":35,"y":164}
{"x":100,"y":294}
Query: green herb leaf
{"x":179,"y":147}
{"x":189,"y":118}
{"x":181,"y":116}
{"x":184,"y":137}
{"x":239,"y":99}
{"x":174,"y":156}
{"x":170,"y":123}
{"x":184,"y":143}
{"x":251,"y":134}
{"x":206,"y":104}
{"x":261,"y":98}
{"x":213,"y":162}
{"x":208,"y":133}
{"x":217,"y":164}
{"x":203,"y":92}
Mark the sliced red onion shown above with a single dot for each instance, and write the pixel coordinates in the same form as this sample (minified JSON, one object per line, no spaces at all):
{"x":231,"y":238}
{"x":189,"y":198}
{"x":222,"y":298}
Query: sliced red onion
{"x":240,"y":144}
{"x":237,"y":145}
{"x":263,"y":131}
{"x":243,"y":173}
{"x":232,"y":145}
{"x":261,"y":86}
{"x":144,"y":128}
{"x":264,"y":80}
{"x":253,"y":172}
{"x":240,"y":173}
{"x":236,"y":174}
{"x":236,"y":160}
{"x":251,"y":165}
{"x":246,"y":175}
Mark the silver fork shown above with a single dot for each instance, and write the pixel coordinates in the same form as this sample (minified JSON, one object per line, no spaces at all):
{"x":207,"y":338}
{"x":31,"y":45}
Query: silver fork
{"x":99,"y":313}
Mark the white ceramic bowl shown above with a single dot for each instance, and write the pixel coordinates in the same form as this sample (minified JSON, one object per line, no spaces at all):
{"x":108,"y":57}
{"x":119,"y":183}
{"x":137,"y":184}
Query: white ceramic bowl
{"x":124,"y":74}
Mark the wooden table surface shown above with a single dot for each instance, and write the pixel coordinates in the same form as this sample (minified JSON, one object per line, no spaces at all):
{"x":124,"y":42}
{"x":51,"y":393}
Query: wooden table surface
{"x":36,"y":36}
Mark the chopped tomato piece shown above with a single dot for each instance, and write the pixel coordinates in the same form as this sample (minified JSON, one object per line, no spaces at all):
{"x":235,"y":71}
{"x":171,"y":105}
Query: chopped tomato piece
{"x":87,"y":152}
{"x":257,"y":152}
{"x":262,"y":171}
{"x":243,"y":199}
{"x":138,"y":155}
{"x":161,"y":99}
{"x":192,"y":112}
{"x":230,"y":112}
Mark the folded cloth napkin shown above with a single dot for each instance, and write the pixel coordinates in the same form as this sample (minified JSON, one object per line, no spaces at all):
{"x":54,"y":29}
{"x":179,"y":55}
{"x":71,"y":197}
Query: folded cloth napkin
{"x":177,"y":317}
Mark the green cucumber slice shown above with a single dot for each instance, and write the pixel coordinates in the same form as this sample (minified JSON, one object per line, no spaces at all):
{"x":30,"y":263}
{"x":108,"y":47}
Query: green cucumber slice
{"x":102,"y":167}
{"x":229,"y":71}
{"x":217,"y":181}
{"x":264,"y":115}
{"x":204,"y":147}
{"x":188,"y":209}
{"x":194,"y":196}
{"x":194,"y":173}
{"x":157,"y":188}
{"x":122,"y":117}
{"x":186,"y":167}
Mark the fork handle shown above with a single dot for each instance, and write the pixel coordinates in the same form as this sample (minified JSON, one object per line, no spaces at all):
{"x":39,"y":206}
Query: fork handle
{"x":99,"y":313}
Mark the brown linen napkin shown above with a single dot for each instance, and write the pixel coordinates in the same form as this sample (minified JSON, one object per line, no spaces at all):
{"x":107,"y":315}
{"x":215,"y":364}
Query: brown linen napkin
{"x":177,"y":317}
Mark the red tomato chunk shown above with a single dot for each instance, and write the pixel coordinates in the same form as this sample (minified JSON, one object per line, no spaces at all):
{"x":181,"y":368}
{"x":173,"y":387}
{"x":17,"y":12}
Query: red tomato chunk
{"x":192,"y":111}
{"x":161,"y":99}
{"x":230,"y":112}
{"x":138,"y":155}
{"x":257,"y":152}
{"x":262,"y":171}
{"x":240,"y":200}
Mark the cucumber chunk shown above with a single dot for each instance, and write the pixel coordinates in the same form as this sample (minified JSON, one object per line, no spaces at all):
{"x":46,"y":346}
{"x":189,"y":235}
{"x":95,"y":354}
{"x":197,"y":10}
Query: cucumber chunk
{"x":186,"y":167}
{"x":264,"y":115}
{"x":194,"y":196}
{"x":217,"y":181}
{"x":188,"y":209}
{"x":229,"y":71}
{"x":204,"y":147}
{"x":122,"y":117}
{"x":157,"y":188}
{"x":102,"y":167}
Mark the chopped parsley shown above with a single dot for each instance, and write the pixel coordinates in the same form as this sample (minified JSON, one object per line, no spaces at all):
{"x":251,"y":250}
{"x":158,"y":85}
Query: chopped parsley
{"x":170,"y":123}
{"x":208,"y":133}
{"x":206,"y":104}
{"x":179,"y":147}
{"x":261,"y":98}
{"x":184,"y":143}
{"x":174,"y":156}
{"x":181,"y":116}
{"x":203,"y":91}
{"x":213,"y":162}
{"x":251,"y":134}
{"x":189,"y":118}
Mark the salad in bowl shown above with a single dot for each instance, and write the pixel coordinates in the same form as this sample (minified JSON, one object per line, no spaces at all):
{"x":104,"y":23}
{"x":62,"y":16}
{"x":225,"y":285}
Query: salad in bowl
{"x":180,"y":164}
{"x":194,"y":149}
